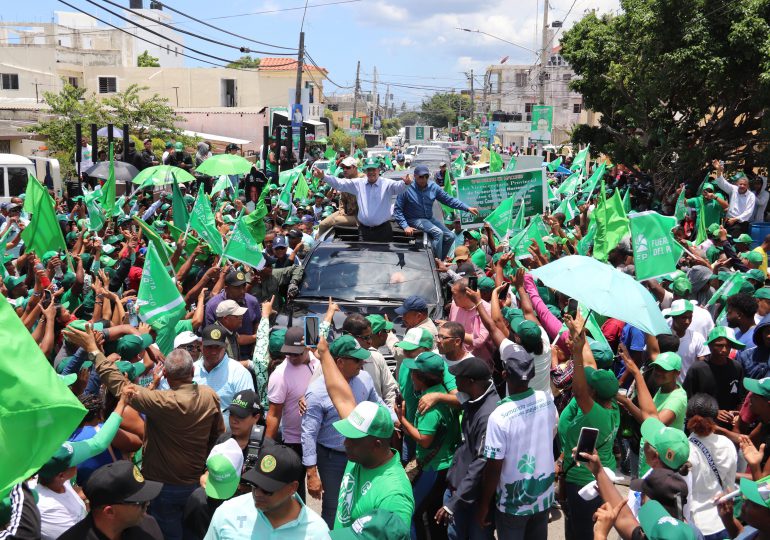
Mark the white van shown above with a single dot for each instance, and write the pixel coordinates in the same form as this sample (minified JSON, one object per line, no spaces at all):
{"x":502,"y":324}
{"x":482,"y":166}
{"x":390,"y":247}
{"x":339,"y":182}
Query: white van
{"x":15,"y":170}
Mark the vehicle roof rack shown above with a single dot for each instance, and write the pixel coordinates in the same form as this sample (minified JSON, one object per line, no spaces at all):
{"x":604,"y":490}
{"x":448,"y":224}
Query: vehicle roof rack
{"x":340,"y":233}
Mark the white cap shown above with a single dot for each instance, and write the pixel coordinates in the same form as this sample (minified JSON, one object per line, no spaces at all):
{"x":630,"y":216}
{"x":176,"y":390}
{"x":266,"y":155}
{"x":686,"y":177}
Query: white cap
{"x":185,"y":338}
{"x":230,"y":307}
{"x":349,"y":162}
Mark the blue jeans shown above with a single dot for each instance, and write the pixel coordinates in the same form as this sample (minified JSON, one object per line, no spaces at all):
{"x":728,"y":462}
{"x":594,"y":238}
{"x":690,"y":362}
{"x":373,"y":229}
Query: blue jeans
{"x":441,"y":238}
{"x":331,"y":468}
{"x":464,"y":526}
{"x":168,"y":509}
{"x":428,"y":490}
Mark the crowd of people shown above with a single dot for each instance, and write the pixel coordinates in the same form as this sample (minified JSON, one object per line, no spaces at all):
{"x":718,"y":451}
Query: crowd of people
{"x":222,"y":423}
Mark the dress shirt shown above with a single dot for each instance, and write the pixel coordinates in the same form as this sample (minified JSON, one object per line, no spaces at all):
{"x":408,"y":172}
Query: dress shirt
{"x":741,"y":205}
{"x":374,"y":207}
{"x":417,"y":203}
{"x":226,"y":379}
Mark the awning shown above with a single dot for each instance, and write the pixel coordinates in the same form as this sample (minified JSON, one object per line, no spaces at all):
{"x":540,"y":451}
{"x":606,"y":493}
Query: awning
{"x":220,"y":138}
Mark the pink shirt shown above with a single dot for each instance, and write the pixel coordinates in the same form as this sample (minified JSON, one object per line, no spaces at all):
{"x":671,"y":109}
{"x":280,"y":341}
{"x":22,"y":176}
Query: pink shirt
{"x":286,"y":385}
{"x":482,"y":344}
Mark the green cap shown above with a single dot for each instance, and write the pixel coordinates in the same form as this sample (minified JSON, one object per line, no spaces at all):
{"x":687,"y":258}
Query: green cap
{"x":756,"y":274}
{"x":672,"y":276}
{"x":108,"y":249}
{"x":754,"y":257}
{"x":603,"y":381}
{"x":159,"y":224}
{"x":228,"y":219}
{"x":70,"y":379}
{"x":326,"y":214}
{"x":514,"y":316}
{"x":133,"y":370}
{"x":62,"y":460}
{"x":658,"y":524}
{"x":224,"y":465}
{"x":707,"y":185}
{"x":763,"y":293}
{"x":602,"y":353}
{"x":291,"y":220}
{"x":165,"y":207}
{"x":486,"y":283}
{"x":681,"y":286}
{"x":377,"y":525}
{"x":668,"y":361}
{"x":80,"y":324}
{"x":189,"y":198}
{"x":109,"y":262}
{"x":371,"y":163}
{"x":71,"y":236}
{"x":528,"y":332}
{"x":427,"y":361}
{"x":750,"y":490}
{"x":671,"y":444}
{"x":132,"y":344}
{"x":276,"y":341}
{"x":179,"y":146}
{"x":379,"y":324}
{"x":679,"y":307}
{"x":47,"y":256}
{"x":328,"y":209}
{"x":348,"y":347}
{"x":14,"y":281}
{"x":713,"y":229}
{"x":476,"y":235}
{"x":744,"y":239}
{"x":723,"y":332}
{"x":760,"y":387}
{"x":416,"y":338}
{"x":367,"y":419}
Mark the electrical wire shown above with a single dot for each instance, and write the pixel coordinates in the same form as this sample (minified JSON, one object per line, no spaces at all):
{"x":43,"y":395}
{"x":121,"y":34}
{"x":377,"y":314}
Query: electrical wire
{"x":326,"y":75}
{"x":268,"y":11}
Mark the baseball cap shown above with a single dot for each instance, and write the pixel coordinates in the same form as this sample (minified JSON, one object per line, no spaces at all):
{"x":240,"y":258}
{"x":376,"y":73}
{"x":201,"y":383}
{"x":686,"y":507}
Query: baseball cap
{"x":602,"y":353}
{"x":119,"y":482}
{"x":472,"y":368}
{"x":230,"y":307}
{"x":486,"y":283}
{"x":185,"y":338}
{"x":377,"y":525}
{"x":60,"y":461}
{"x":68,"y":379}
{"x":658,"y":524}
{"x":756,"y":274}
{"x":724,"y":332}
{"x":179,"y":146}
{"x":224,"y":465}
{"x":276,"y":340}
{"x":476,"y":235}
{"x":761,"y":387}
{"x":462,"y":253}
{"x":679,"y":307}
{"x":132,"y":344}
{"x":753,"y":257}
{"x":245,"y":404}
{"x":707,"y":186}
{"x":427,"y":361}
{"x":348,"y":347}
{"x":14,"y":281}
{"x":349,"y":162}
{"x":280,"y":241}
{"x":466,"y":269}
{"x":290,"y":221}
{"x":603,"y":381}
{"x":668,"y":361}
{"x":131,"y":369}
{"x":421,"y":170}
{"x":413,"y":303}
{"x":235,"y":278}
{"x":213,"y":335}
{"x":751,"y":491}
{"x":379,"y":324}
{"x":416,"y":338}
{"x":671,"y":444}
{"x":681,"y":286}
{"x":367,"y":419}
{"x":744,"y":239}
{"x":278,"y":466}
{"x":528,"y":332}
{"x":80,"y":324}
{"x":294,"y":341}
{"x":371,"y":163}
{"x":294,"y":233}
{"x":519,"y":364}
{"x":763,"y":293}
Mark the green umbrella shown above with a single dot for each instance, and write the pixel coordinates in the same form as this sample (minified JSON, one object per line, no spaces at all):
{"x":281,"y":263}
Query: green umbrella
{"x":225,"y":164}
{"x":604,"y":290}
{"x":161,"y":175}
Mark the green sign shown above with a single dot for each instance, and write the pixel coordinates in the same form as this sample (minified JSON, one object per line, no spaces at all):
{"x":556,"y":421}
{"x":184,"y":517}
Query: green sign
{"x":542,"y":123}
{"x":656,"y":251}
{"x":487,"y":191}
{"x":355,"y":124}
{"x":419,"y":133}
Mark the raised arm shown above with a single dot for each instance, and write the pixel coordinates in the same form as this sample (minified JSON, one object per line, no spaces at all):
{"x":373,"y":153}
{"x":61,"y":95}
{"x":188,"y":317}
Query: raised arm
{"x":336,"y":385}
{"x":486,"y":318}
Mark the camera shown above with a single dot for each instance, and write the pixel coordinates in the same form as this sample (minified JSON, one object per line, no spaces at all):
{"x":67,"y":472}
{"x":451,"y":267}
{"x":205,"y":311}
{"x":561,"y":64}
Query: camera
{"x":256,"y":438}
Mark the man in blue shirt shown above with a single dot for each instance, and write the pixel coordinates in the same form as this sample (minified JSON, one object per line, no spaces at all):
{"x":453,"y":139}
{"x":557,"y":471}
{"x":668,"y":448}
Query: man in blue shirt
{"x":323,"y":447}
{"x":414,"y":211}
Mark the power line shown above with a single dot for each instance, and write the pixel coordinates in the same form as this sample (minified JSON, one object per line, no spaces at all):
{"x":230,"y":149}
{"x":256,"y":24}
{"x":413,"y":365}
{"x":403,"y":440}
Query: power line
{"x":326,"y":76}
{"x":268,"y":11}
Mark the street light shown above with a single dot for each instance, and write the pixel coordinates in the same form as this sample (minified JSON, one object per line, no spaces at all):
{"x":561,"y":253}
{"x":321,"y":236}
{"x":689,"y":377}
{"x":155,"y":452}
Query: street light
{"x":499,"y":39}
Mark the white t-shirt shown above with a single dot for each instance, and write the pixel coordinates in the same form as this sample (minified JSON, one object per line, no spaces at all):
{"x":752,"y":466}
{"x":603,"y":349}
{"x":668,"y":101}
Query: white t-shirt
{"x":59,"y":511}
{"x":703,"y":483}
{"x":542,"y":379}
{"x":701,"y":320}
{"x":520,"y":432}
{"x":691,"y":346}
{"x":451,"y":363}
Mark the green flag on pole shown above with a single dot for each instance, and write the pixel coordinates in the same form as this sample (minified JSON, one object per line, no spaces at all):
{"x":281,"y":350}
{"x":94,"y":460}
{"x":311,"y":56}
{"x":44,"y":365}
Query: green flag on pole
{"x":291,"y":175}
{"x":388,"y":161}
{"x":553,"y":165}
{"x":731,"y":286}
{"x":585,"y":243}
{"x":500,"y":219}
{"x":255,"y":220}
{"x":161,"y":246}
{"x":202,"y":221}
{"x":521,"y":241}
{"x":495,"y":162}
{"x":701,"y":232}
{"x":107,"y":193}
{"x":570,"y":184}
{"x":301,"y":189}
{"x":450,"y":190}
{"x":458,"y":166}
{"x":332,"y":171}
{"x":680,"y":211}
{"x":190,"y":242}
{"x":244,"y":247}
{"x":656,"y":251}
{"x":611,"y":224}
{"x":580,"y":159}
{"x":223,"y":183}
{"x":158,"y":300}
{"x":568,"y":208}
{"x":43,"y":232}
{"x":330,"y":153}
{"x":511,"y":164}
{"x":593,"y":181}
{"x":96,"y":217}
{"x":179,"y":207}
{"x":627,"y":200}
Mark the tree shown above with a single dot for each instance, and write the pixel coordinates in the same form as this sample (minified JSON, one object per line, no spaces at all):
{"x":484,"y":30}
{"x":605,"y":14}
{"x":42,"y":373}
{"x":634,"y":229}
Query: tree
{"x":677,"y":83}
{"x":409,"y":118}
{"x":152,"y":117}
{"x":341,"y":140}
{"x":390,"y":127}
{"x":145,"y":60}
{"x":245,"y":62}
{"x":443,"y":109}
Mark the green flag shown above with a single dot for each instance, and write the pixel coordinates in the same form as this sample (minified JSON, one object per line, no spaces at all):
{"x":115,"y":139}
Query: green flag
{"x":223,"y":183}
{"x":571,"y":184}
{"x":450,"y":190}
{"x":158,"y":300}
{"x":190,"y":242}
{"x":627,"y":200}
{"x":179,"y":207}
{"x":680,"y":211}
{"x":161,"y":246}
{"x":568,"y":208}
{"x":330,"y":154}
{"x":656,"y":251}
{"x":495,"y":162}
{"x":731,"y":286}
{"x":291,"y":175}
{"x":37,"y":411}
{"x":388,"y":161}
{"x":202,"y":222}
{"x":611,"y":224}
{"x":580,"y":159}
{"x":701,"y":233}
{"x":301,"y":189}
{"x":118,"y":211}
{"x":593,"y":181}
{"x":500,"y":219}
{"x":332,"y":167}
{"x":553,"y":165}
{"x":552,"y":197}
{"x":244,"y":247}
{"x":519,"y":222}
{"x":96,"y":217}
{"x":585,"y":243}
{"x":458,"y":166}
{"x":107,"y":193}
{"x":535,"y":231}
{"x":43,"y":232}
{"x":511,"y":164}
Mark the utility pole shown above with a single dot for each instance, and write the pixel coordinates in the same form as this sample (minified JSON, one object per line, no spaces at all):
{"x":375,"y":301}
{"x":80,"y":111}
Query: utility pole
{"x":387,"y":96}
{"x":543,"y":61}
{"x":300,"y":61}
{"x":374,"y":96}
{"x":37,"y":99}
{"x":176,"y":90}
{"x":473,"y":107}
{"x":355,"y":101}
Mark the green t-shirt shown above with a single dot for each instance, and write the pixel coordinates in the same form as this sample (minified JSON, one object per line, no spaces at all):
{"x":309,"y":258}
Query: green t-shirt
{"x":410,"y":396}
{"x":712,"y":211}
{"x":165,"y":337}
{"x":675,"y":402}
{"x":441,"y":421}
{"x":69,"y":301}
{"x":479,"y":258}
{"x":713,"y":253}
{"x":362,"y":491}
{"x":571,"y":421}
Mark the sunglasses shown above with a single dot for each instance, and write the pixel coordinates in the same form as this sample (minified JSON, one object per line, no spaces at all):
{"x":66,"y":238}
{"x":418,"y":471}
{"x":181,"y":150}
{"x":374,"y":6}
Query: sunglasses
{"x":190,"y":347}
{"x":365,"y":338}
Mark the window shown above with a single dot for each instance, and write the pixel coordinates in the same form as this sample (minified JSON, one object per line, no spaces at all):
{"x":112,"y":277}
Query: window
{"x":564,"y":106}
{"x":521,"y":79}
{"x":108,"y":85}
{"x":577,"y":108}
{"x":10,"y":81}
{"x":73,"y":81}
{"x":566,"y":77}
{"x":17,"y":181}
{"x":528,"y":111}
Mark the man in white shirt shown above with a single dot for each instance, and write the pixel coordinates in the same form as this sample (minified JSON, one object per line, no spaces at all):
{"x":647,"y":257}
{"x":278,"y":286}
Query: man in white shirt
{"x":375,"y":195}
{"x":758,"y":186}
{"x":742,"y":202}
{"x":692,"y":345}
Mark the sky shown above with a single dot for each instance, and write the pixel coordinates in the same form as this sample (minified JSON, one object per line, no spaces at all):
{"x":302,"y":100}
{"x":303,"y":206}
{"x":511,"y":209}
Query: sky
{"x":410,"y":42}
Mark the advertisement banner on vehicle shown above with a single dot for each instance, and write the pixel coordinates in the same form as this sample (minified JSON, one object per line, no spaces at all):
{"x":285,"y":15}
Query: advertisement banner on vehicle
{"x":542,"y":123}
{"x":487,"y":191}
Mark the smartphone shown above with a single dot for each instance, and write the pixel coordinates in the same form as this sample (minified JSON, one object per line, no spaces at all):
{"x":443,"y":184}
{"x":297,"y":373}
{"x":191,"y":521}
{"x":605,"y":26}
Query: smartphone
{"x":504,"y":292}
{"x":473,"y":283}
{"x":586,"y":442}
{"x":572,"y":307}
{"x":47,"y":296}
{"x":399,"y":399}
{"x":312,"y":331}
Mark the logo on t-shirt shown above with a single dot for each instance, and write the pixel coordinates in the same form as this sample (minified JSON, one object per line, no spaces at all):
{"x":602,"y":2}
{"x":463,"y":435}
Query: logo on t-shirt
{"x":365,"y":488}
{"x":345,"y":500}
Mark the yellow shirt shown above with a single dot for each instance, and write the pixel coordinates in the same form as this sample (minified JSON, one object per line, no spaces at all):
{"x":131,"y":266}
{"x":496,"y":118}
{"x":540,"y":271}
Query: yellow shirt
{"x":762,"y":266}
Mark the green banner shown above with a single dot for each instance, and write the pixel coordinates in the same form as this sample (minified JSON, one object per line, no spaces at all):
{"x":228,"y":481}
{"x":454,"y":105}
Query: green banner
{"x":487,"y":191}
{"x":656,"y":252}
{"x":419,"y":133}
{"x":542,"y":123}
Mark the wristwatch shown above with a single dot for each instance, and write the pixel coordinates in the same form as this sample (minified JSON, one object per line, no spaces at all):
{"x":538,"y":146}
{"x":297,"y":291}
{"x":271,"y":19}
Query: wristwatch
{"x":92,"y":356}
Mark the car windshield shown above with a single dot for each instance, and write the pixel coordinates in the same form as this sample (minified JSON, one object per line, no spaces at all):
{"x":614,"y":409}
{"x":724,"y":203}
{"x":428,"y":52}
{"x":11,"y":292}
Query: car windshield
{"x":370,"y":272}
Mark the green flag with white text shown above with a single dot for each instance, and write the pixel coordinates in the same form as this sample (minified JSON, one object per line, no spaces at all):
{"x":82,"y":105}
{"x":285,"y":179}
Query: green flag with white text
{"x":611,"y":224}
{"x":202,"y":221}
{"x":570,"y":184}
{"x":160,"y":245}
{"x":680,"y":211}
{"x":223,"y":183}
{"x":158,"y":300}
{"x":500,"y":219}
{"x":656,"y":251}
{"x":244,"y":247}
{"x":511,"y":164}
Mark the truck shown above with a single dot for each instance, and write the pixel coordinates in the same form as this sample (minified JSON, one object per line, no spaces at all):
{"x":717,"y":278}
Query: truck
{"x":419,"y":134}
